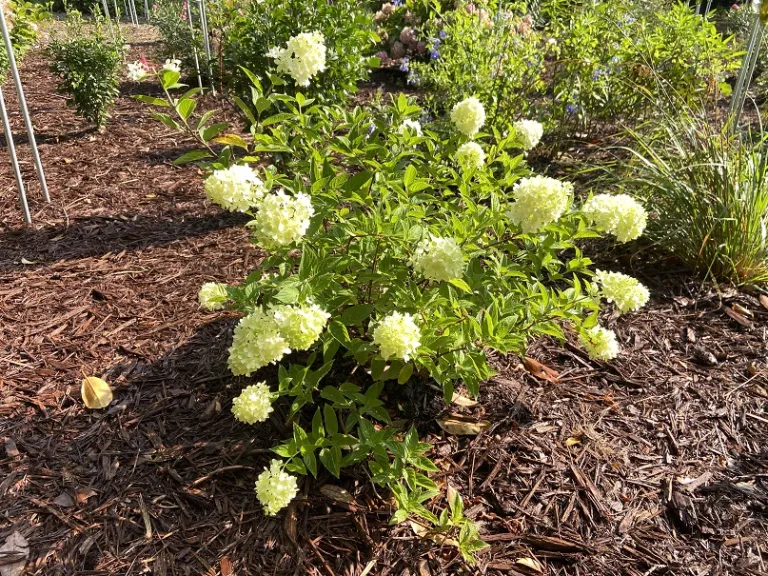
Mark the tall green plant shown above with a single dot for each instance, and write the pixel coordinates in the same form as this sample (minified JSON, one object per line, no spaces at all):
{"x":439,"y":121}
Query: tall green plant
{"x":709,"y":193}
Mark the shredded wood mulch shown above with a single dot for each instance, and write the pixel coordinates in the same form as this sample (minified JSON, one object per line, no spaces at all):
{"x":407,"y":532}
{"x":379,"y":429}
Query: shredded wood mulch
{"x":656,"y":463}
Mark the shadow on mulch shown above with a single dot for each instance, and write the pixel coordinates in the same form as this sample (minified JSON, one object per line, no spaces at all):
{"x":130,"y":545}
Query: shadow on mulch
{"x":96,"y":236}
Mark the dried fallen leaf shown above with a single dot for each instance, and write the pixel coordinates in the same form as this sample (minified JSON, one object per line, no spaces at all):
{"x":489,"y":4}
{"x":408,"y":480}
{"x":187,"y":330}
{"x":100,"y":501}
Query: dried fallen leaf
{"x":764,"y":301}
{"x":572,"y":442}
{"x":64,"y":500}
{"x":463,"y":401}
{"x":28,"y":262}
{"x":10,"y":448}
{"x":424,"y":532}
{"x":741,"y":309}
{"x":226,"y":566}
{"x":14,"y":552}
{"x":738,"y":317}
{"x":95,"y":392}
{"x":531,"y":564}
{"x":338,"y":494}
{"x":82,"y":494}
{"x":540,"y":370}
{"x":463,"y":427}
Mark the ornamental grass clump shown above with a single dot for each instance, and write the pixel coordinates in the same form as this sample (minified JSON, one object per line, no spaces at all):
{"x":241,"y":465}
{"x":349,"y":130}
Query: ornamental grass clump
{"x":709,"y":193}
{"x":385,"y":263}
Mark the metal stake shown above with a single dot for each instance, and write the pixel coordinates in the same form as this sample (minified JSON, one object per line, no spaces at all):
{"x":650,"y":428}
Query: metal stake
{"x":206,"y":42}
{"x":23,"y":106}
{"x":14,"y":160}
{"x":194,"y":48}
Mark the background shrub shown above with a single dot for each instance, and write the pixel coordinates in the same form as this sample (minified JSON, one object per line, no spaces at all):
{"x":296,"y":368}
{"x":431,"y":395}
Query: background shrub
{"x":249,"y":29}
{"x":88,"y":67}
{"x":496,"y":56}
{"x":178,"y":40}
{"x":617,"y":60}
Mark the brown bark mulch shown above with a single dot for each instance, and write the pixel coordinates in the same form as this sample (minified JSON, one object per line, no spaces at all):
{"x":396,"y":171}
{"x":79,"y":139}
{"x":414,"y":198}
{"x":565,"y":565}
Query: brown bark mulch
{"x":656,"y":463}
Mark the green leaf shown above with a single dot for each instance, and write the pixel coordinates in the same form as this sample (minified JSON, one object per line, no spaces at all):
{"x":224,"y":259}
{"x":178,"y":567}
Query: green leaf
{"x":339,"y":331}
{"x":210,"y":132}
{"x":262,"y":104}
{"x":331,"y":422}
{"x":410,"y":176}
{"x":152,"y":100}
{"x":357,"y":181}
{"x":192,"y":156}
{"x":331,"y":459}
{"x":461,"y":285}
{"x":355,"y":315}
{"x":405,"y":373}
{"x":310,"y":461}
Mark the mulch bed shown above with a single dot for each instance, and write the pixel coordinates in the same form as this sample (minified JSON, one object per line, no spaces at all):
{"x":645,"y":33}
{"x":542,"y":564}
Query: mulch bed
{"x":656,"y":463}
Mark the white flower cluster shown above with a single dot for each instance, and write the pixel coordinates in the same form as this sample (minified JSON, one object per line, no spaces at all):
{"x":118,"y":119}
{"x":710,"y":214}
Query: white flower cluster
{"x":539,"y":201}
{"x":302,"y":58}
{"x":529,"y":133}
{"x":626,"y":292}
{"x":301,"y":325}
{"x":282,"y":219}
{"x":256,"y":343}
{"x":468,"y":116}
{"x":397,"y":335}
{"x":174,"y":65}
{"x":439,"y":259}
{"x":412,"y":126}
{"x":265,"y":337}
{"x":619,"y":214}
{"x":470,"y":156}
{"x":254,"y":404}
{"x":236,"y":188}
{"x":213,"y":296}
{"x":275,"y":488}
{"x":137,"y":71}
{"x":600,"y":343}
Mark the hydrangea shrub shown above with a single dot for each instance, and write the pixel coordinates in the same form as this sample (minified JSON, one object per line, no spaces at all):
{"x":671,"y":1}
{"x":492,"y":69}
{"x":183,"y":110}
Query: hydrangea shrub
{"x":398,"y":251}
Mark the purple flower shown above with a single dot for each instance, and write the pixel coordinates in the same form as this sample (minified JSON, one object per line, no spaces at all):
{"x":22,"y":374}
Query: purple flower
{"x":413,"y":78}
{"x":404,"y":67}
{"x":434,"y":54}
{"x":442,"y":34}
{"x":371,"y":129}
{"x":571,"y":109}
{"x":397,"y":3}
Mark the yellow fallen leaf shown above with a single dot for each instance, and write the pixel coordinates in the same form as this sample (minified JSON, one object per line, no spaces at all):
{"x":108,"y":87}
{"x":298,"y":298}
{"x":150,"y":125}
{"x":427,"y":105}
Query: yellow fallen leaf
{"x":531,"y":564}
{"x":460,"y":400}
{"x":459,"y":426}
{"x":95,"y":392}
{"x":572,"y":442}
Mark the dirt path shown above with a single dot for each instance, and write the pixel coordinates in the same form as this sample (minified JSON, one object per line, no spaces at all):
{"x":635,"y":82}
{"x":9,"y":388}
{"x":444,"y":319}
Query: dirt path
{"x":654,"y":464}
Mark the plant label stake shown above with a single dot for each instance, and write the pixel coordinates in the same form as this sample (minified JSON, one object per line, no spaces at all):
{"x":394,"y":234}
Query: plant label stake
{"x":27,"y":120}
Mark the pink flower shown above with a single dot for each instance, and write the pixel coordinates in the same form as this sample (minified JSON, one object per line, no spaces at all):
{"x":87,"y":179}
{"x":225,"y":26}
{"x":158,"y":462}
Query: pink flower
{"x":407,"y":35}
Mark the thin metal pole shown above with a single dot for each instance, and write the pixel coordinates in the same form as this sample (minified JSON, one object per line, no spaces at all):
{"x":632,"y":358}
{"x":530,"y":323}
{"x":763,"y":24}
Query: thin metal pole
{"x":206,"y":41}
{"x":194,"y":48}
{"x":14,"y":160}
{"x":146,"y":9}
{"x":24,"y":109}
{"x":109,"y":19}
